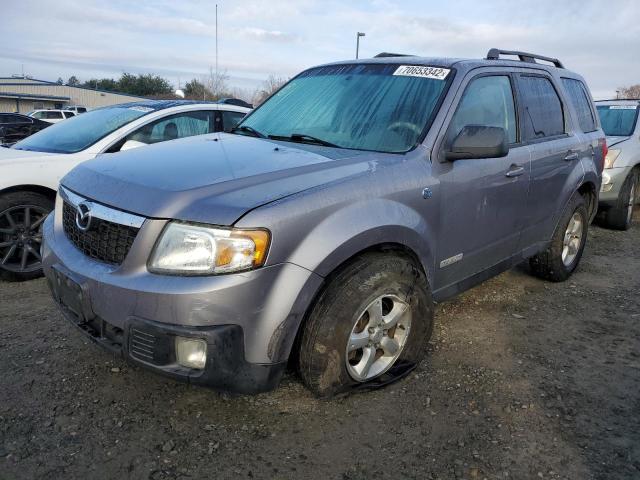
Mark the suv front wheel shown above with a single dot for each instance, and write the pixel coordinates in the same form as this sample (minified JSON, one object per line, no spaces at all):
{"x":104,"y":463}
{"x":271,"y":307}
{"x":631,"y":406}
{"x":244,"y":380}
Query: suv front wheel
{"x":373,"y":314}
{"x":620,"y":217}
{"x":563,"y":254}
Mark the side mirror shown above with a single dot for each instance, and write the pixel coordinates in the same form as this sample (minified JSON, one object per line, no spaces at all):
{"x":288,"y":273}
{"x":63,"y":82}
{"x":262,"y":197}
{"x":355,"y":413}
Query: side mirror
{"x":479,"y":141}
{"x":130,"y":144}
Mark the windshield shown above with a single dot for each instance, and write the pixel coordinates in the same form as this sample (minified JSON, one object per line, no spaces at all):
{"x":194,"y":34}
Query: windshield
{"x":78,"y":133}
{"x":618,"y":120}
{"x":378,"y":107}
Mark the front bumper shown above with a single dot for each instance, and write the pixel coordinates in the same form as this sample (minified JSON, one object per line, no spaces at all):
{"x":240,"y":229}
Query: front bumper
{"x":249,"y":320}
{"x":612,"y":181}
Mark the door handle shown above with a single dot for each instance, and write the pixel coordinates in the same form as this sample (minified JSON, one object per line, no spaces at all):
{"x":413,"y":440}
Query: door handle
{"x":514,"y":171}
{"x":571,"y":156}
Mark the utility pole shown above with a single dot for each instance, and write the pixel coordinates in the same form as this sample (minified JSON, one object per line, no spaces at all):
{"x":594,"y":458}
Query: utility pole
{"x":216,"y":79}
{"x":358,"y":35}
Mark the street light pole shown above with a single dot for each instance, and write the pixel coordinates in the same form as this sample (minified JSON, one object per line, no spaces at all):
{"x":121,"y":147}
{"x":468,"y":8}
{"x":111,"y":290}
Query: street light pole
{"x":358,"y":35}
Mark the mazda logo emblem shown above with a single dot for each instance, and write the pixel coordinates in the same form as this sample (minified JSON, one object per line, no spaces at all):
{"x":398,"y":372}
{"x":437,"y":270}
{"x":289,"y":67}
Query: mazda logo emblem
{"x":83,"y":216}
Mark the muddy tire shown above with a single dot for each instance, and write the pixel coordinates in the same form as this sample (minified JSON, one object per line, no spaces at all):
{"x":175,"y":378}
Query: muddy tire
{"x":563,"y":254}
{"x":21,"y":218}
{"x":620,"y":217}
{"x":352,"y":323}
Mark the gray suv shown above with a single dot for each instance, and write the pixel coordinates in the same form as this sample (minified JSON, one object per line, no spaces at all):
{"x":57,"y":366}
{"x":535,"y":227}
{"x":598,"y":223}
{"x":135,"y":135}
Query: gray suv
{"x":323,"y":228}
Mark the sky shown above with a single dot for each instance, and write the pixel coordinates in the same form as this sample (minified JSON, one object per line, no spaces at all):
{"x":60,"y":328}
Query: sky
{"x":176,"y":38}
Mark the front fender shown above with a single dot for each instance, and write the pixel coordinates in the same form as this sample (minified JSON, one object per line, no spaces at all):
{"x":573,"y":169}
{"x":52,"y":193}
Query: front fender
{"x":359,"y":226}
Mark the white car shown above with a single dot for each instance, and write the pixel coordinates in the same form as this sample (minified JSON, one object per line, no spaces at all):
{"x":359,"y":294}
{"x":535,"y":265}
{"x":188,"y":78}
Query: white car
{"x":31,"y":170}
{"x":51,"y":116}
{"x":620,"y":189}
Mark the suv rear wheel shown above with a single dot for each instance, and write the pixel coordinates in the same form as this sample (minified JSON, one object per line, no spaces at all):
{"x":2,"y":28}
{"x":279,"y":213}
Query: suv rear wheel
{"x":21,"y":217}
{"x":376,"y":312}
{"x":563,"y":254}
{"x":620,"y":217}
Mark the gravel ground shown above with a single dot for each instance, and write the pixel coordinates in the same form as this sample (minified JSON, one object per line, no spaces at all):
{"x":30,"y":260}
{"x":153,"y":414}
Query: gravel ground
{"x":524,"y":379}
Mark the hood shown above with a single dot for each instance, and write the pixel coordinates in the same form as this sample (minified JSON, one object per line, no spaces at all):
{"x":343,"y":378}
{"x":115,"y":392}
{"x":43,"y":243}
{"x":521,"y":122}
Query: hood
{"x":614,"y":140}
{"x":12,"y":155}
{"x":211,"y":178}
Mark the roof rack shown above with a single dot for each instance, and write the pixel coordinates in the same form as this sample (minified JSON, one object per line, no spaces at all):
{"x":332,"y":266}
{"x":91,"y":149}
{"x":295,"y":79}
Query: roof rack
{"x":387,"y":54}
{"x":618,"y":100}
{"x":494,"y":54}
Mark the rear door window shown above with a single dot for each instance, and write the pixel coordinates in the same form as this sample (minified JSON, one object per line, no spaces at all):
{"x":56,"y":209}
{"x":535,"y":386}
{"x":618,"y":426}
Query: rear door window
{"x":581,"y":102}
{"x":487,"y":101}
{"x":543,"y":114}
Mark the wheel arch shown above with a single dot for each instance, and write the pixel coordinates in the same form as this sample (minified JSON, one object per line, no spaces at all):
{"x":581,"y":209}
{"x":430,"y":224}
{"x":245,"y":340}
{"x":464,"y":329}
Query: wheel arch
{"x":387,"y":247}
{"x":589,"y":192}
{"x":42,"y":190}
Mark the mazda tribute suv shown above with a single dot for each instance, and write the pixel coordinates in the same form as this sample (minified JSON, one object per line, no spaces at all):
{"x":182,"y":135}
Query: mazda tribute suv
{"x":322,"y":229}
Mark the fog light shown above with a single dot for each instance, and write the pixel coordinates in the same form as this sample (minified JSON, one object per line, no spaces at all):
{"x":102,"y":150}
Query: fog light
{"x":191,"y":352}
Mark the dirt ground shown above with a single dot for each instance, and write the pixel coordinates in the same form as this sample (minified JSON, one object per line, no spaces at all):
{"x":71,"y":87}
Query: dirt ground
{"x":524,"y":379}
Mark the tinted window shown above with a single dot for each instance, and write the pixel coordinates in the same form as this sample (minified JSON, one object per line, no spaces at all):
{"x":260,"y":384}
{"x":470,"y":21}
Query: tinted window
{"x":542,"y":108}
{"x":581,"y":103}
{"x":80,"y":132}
{"x":618,"y":120}
{"x":230,"y":119}
{"x":81,"y":109}
{"x":52,"y":115}
{"x":69,"y":114}
{"x":487,"y":101}
{"x":182,"y":125}
{"x":358,"y":106}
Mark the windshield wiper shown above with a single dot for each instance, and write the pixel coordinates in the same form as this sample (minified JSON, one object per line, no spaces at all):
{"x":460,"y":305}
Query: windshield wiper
{"x":304,"y":138}
{"x":250,"y":130}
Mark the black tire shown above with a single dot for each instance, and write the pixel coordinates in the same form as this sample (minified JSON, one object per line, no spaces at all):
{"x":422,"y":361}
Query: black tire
{"x":619,"y":216}
{"x":549,"y":264}
{"x":323,"y":356}
{"x":15,"y":236}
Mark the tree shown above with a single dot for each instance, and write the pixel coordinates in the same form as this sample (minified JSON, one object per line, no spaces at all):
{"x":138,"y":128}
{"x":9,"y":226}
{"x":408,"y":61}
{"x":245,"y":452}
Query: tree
{"x":271,"y":85}
{"x":143,"y":84}
{"x":632,"y":91}
{"x":60,"y":81}
{"x":108,"y":84}
{"x":196,"y":90}
{"x":73,"y":81}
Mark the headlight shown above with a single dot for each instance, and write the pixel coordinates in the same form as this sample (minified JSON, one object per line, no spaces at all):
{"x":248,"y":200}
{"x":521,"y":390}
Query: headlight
{"x":200,"y":250}
{"x":611,"y":157}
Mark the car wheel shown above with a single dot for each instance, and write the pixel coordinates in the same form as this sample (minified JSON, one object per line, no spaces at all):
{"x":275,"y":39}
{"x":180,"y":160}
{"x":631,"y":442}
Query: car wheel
{"x":620,"y":217}
{"x":21,"y":217}
{"x":374,"y":313}
{"x":563,"y":254}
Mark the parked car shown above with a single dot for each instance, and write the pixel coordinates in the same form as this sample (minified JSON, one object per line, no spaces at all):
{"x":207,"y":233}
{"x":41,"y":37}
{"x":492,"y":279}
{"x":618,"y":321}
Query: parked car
{"x":51,"y":116}
{"x":31,"y":170}
{"x":77,"y":109}
{"x":323,"y":229}
{"x":620,"y":181}
{"x":14,"y":127}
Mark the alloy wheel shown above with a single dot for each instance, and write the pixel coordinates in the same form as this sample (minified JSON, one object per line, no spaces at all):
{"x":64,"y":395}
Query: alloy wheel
{"x":572,"y":239}
{"x":21,"y":237}
{"x":632,"y":201}
{"x":378,"y":337}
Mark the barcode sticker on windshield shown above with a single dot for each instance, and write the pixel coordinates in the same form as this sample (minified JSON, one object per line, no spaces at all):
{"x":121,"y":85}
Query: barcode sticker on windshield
{"x":623,"y":107}
{"x":435,"y":73}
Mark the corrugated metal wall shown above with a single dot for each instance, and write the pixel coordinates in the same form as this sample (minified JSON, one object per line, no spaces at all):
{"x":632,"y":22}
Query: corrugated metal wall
{"x":78,"y":96}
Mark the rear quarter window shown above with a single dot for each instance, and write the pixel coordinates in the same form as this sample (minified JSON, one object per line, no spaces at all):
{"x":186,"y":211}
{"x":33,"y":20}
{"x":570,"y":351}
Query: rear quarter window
{"x":543,"y":114}
{"x":580,"y":100}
